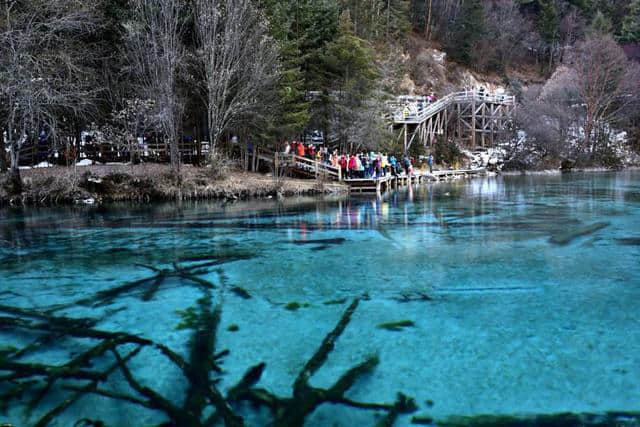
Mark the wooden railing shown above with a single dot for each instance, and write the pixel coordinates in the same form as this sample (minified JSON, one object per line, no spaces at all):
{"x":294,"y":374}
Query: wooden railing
{"x":433,"y":108}
{"x":309,"y":165}
{"x":303,"y":164}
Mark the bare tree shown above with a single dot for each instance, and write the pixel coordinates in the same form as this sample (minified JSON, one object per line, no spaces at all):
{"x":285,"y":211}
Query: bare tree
{"x":507,"y":31}
{"x":156,"y":51}
{"x":125,"y":124}
{"x":42,"y":78}
{"x":572,"y":28}
{"x":550,"y":118}
{"x":239,"y":63}
{"x":607,"y":85}
{"x":573,"y":114}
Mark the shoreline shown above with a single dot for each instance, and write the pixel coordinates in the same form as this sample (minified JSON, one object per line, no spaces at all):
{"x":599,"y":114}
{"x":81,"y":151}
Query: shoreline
{"x":147,"y":183}
{"x":560,"y":172}
{"x":151,"y":183}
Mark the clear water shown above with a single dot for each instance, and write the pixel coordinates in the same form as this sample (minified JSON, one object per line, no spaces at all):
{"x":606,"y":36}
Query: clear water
{"x":523,"y":292}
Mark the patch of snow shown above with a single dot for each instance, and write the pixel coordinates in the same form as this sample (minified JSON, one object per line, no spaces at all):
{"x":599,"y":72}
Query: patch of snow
{"x":44,"y":164}
{"x":84,"y":162}
{"x":492,"y":158}
{"x":438,"y":56}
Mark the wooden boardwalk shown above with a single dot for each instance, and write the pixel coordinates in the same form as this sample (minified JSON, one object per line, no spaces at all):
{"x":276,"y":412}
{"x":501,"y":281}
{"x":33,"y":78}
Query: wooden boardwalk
{"x":473,"y":116}
{"x":385,"y":183}
{"x":288,"y":162}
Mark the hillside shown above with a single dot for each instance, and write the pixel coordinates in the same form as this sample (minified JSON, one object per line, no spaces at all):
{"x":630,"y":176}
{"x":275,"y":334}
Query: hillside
{"x":431,"y":70}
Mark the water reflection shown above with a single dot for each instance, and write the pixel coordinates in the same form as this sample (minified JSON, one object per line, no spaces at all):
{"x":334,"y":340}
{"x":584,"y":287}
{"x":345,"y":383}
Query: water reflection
{"x":519,"y":291}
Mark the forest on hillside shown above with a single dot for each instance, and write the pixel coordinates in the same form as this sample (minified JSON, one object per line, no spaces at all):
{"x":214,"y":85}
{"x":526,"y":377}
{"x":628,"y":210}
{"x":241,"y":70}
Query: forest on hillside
{"x":266,"y":71}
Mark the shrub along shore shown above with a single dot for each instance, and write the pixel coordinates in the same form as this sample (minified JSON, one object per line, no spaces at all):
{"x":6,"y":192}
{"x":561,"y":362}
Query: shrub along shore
{"x":150,"y":182}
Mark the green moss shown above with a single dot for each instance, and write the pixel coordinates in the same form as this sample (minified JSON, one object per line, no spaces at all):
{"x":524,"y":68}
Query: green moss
{"x":561,"y":419}
{"x":335,"y":301}
{"x":396,"y":326}
{"x":482,"y":421}
{"x":188,"y":318}
{"x":233,"y":328}
{"x":241,"y":292}
{"x":422,"y":419}
{"x":294,"y":305}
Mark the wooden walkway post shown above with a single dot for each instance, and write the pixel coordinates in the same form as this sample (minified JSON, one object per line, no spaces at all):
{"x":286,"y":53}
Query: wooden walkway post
{"x":406,"y":129}
{"x":484,"y":115}
{"x":473,"y":123}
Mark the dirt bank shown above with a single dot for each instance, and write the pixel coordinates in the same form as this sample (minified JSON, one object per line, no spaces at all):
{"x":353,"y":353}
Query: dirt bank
{"x":145,"y":183}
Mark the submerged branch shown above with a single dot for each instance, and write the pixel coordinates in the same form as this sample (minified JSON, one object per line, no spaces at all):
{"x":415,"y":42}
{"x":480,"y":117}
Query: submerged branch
{"x":320,"y":356}
{"x":294,"y":411}
{"x":80,"y":391}
{"x":564,"y":419}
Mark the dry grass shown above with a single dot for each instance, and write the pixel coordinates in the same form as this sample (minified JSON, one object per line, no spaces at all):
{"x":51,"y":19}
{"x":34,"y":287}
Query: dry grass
{"x":143,"y":183}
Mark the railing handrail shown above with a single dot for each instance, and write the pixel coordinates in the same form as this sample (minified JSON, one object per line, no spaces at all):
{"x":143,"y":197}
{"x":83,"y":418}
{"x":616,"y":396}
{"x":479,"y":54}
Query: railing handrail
{"x":332,"y":170}
{"x":439,"y":105}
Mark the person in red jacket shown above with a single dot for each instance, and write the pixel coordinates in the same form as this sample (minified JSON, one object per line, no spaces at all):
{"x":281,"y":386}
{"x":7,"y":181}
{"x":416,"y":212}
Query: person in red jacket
{"x":300,"y":149}
{"x":352,"y":166}
{"x":343,"y":165}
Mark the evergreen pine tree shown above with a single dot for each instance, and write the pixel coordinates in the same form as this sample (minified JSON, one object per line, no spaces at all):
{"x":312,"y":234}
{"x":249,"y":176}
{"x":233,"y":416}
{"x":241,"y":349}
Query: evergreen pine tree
{"x":601,"y":25}
{"x":548,"y":21}
{"x":584,"y":5}
{"x":630,"y":31}
{"x":317,"y":25}
{"x":467,"y":32}
{"x":351,"y":72}
{"x":396,"y":19}
{"x":349,"y":58}
{"x":293,"y":112}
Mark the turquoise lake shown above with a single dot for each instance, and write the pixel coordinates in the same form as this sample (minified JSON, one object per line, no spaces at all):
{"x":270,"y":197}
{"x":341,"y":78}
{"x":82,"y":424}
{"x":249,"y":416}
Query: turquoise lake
{"x":518,"y":295}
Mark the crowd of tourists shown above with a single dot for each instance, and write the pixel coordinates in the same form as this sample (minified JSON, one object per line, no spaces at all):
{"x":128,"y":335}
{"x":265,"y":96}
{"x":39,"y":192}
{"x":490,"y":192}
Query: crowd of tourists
{"x":354,"y":165}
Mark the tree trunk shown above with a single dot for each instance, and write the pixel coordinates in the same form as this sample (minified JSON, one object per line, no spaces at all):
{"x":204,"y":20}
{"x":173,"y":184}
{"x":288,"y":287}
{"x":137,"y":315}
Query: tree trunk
{"x":175,"y":153}
{"x":588,"y":129}
{"x":15,"y":181}
{"x":3,"y":152}
{"x":427,"y":25}
{"x":78,"y":140}
{"x":388,"y":17}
